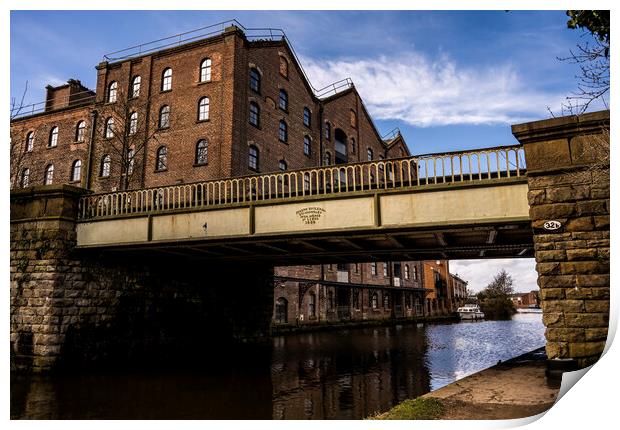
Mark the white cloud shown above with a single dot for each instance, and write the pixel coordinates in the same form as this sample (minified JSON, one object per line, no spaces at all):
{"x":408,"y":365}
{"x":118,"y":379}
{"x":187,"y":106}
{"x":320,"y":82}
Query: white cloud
{"x":425,"y":92}
{"x":479,"y":273}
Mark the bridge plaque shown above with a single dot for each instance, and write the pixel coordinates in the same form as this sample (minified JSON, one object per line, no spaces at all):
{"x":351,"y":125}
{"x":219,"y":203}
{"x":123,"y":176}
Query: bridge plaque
{"x":311,"y":214}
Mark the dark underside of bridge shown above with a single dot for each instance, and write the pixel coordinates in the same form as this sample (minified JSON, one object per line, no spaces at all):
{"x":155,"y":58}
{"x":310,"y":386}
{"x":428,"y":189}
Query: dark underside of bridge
{"x":510,"y":240}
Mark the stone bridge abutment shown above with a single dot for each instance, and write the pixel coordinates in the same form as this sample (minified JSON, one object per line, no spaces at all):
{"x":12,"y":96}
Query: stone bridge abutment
{"x":568,"y":194}
{"x":70,"y":307}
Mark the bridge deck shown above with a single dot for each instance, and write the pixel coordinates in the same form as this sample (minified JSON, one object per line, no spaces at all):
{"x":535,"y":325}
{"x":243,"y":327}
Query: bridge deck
{"x":441,"y":206}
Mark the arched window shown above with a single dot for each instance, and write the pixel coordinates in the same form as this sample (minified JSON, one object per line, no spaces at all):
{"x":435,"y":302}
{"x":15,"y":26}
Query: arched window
{"x":307,"y":117}
{"x":105,"y":166}
{"x":327,"y":159}
{"x":385,"y":269}
{"x":130,"y":161}
{"x":312,"y":305}
{"x":49,"y":175}
{"x":283,"y":100}
{"x":283,"y":131}
{"x":374,"y":301}
{"x":307,"y":145}
{"x":253,"y":158}
{"x":254,"y":80}
{"x":373,"y":268}
{"x":283,"y":66}
{"x":282,"y":165}
{"x":30,"y":141}
{"x":164,"y":116}
{"x":166,"y":80}
{"x":203,"y":109}
{"x":370,"y":154}
{"x":25,"y":179}
{"x":109,"y":127}
{"x":281,"y":311}
{"x":406,"y":271}
{"x":254,"y":114}
{"x":112,"y":91}
{"x":133,"y":123}
{"x":135,"y":86}
{"x":205,"y":70}
{"x":386,"y":300}
{"x":53,"y":141}
{"x":76,"y":171}
{"x":353,"y":119}
{"x":328,"y":131}
{"x":415,"y":273}
{"x":162,"y":158}
{"x":201,"y":152}
{"x":80,"y":130}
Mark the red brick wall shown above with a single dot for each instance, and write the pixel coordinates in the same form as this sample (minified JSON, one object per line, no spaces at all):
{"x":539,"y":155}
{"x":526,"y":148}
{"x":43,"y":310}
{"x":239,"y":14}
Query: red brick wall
{"x":63,"y":155}
{"x":337,"y":111}
{"x":266,"y":59}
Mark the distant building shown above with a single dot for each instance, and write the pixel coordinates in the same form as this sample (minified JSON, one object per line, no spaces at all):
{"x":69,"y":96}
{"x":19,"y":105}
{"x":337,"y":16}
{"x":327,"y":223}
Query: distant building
{"x":459,"y":289}
{"x":526,"y":300}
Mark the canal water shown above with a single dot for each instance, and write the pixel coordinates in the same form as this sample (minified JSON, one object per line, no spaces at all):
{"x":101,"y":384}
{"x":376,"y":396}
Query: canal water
{"x":345,"y":374}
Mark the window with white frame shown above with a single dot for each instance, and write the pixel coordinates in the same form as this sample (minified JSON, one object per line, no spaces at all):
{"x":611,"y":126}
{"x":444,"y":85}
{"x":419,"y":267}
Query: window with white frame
{"x":166,"y":80}
{"x":203,"y":109}
{"x":205,"y":70}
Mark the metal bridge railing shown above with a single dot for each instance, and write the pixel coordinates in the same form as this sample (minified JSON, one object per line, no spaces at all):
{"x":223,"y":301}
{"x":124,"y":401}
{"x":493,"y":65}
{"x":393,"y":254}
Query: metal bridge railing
{"x":464,"y":166}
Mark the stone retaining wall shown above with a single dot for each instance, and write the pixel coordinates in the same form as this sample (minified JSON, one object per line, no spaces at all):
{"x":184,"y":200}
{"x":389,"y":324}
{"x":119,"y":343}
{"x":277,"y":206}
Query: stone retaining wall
{"x":568,"y":180}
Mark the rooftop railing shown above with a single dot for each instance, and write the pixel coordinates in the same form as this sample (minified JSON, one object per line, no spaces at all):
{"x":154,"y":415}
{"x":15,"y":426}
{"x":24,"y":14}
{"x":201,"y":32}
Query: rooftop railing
{"x":466,"y":166}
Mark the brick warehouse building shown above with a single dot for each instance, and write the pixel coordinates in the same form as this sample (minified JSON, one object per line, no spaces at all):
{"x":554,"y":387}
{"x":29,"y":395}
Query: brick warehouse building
{"x":219,"y":107}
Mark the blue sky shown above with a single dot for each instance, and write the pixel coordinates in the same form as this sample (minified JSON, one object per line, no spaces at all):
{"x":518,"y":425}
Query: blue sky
{"x":448,"y":80}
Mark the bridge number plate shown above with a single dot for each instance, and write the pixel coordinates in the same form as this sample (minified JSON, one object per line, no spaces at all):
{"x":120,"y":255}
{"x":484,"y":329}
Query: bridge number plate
{"x":552,"y":225}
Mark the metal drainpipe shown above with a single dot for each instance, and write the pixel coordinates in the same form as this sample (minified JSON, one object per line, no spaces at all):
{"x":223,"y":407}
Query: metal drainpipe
{"x":93,"y":126}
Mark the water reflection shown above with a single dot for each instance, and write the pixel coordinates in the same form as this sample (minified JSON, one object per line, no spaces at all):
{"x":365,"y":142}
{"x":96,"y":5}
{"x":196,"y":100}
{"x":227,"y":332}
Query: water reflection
{"x":343,"y":374}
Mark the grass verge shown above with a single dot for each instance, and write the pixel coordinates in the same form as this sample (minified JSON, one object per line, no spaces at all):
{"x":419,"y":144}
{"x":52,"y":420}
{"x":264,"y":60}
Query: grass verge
{"x":422,"y":408}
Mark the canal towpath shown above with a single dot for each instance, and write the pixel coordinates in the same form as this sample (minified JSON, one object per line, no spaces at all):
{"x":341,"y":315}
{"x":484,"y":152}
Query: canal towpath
{"x":516,"y":388}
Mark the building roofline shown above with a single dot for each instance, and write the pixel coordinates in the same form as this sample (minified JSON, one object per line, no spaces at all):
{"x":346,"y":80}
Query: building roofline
{"x":77,"y":105}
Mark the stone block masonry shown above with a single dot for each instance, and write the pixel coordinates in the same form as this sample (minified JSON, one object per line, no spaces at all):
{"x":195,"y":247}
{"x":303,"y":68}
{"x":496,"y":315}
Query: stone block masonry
{"x":568,"y":180}
{"x":70,"y":307}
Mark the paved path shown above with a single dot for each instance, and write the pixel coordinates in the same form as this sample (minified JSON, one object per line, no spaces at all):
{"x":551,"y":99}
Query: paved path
{"x":515,"y":389}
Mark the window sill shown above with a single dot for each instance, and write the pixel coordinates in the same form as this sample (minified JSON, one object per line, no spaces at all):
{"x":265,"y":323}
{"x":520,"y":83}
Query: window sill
{"x":163,"y":128}
{"x":75,"y":182}
{"x":160,"y":170}
{"x":200,"y":164}
{"x":109,"y":103}
{"x":104,"y":177}
{"x":253,"y":169}
{"x":283,"y":141}
{"x":204,"y":82}
{"x":199,"y":121}
{"x":51,"y":147}
{"x":255,"y":125}
{"x":283,"y":110}
{"x":165,"y":91}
